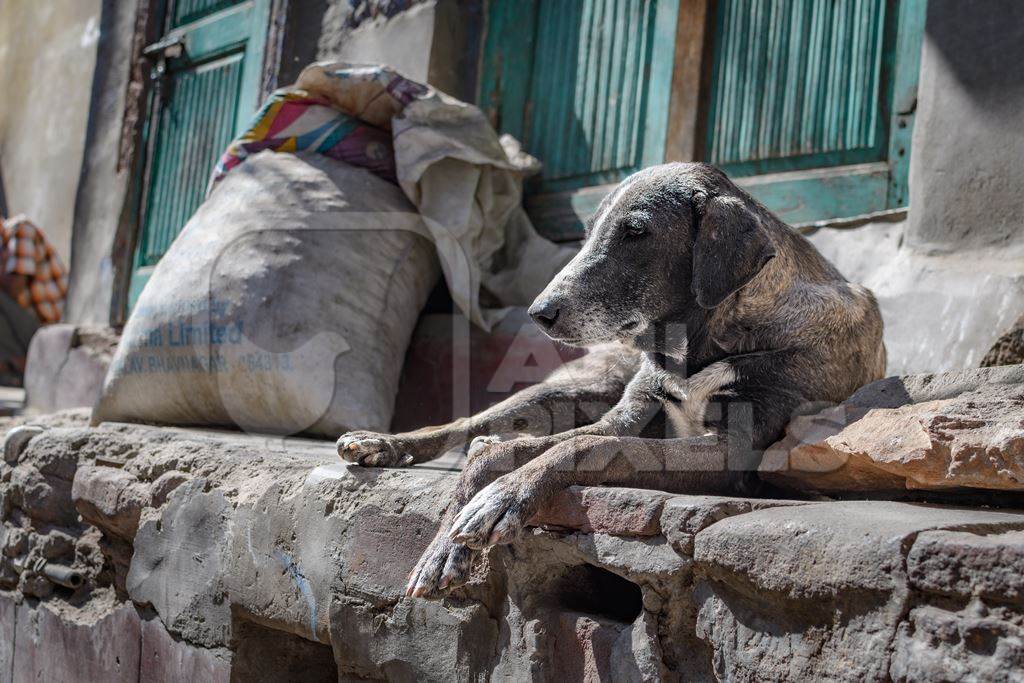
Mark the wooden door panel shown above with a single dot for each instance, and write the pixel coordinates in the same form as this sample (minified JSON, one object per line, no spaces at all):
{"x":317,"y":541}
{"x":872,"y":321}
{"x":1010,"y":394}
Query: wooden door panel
{"x":209,"y":92}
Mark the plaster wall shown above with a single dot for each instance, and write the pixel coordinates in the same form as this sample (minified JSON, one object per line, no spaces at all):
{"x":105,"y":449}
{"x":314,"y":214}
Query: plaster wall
{"x":966,"y":184}
{"x":950,"y":278}
{"x":47,"y":55}
{"x":102,"y":200}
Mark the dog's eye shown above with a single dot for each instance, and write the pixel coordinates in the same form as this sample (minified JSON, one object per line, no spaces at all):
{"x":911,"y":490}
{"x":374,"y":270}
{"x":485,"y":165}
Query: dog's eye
{"x":633,"y":228}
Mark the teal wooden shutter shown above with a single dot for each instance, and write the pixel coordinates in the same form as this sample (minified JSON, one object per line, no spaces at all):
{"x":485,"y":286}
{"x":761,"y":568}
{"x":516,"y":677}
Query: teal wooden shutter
{"x":207,"y":96}
{"x":813,"y":102}
{"x":584,"y":84}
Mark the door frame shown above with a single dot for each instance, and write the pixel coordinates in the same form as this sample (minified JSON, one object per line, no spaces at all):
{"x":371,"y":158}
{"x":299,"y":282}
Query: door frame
{"x":152,"y":18}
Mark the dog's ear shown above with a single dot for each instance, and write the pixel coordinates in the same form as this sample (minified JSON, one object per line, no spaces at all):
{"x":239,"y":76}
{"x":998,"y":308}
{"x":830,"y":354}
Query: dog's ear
{"x":730,"y":248}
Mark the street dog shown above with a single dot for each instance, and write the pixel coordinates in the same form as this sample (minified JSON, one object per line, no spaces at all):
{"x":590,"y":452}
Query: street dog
{"x":711,"y":324}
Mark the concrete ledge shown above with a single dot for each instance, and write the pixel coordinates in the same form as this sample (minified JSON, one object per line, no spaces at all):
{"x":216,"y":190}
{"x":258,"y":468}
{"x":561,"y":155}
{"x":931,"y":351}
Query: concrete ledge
{"x":239,"y":553}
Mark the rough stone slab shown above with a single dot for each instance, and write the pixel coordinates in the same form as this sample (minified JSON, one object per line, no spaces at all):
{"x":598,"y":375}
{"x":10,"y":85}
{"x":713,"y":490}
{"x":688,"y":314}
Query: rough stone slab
{"x":968,"y":564}
{"x":177,"y":566}
{"x":53,"y":647}
{"x":972,"y":644}
{"x":820,"y":549}
{"x":893,"y":392}
{"x":8,"y":623}
{"x":635,"y":557}
{"x":972,"y":440}
{"x":616,"y":511}
{"x":815,"y":591}
{"x":110,"y":498}
{"x":241,"y":529}
{"x":165,"y":659}
{"x":684,"y":516}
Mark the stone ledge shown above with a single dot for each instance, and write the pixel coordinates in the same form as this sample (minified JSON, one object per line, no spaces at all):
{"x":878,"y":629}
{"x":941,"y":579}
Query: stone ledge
{"x":226,"y":535}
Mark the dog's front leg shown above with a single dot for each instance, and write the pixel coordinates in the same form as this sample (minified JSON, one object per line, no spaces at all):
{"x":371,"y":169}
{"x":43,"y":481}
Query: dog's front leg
{"x":500,"y":511}
{"x":576,"y":394}
{"x":446,"y":562}
{"x":631,"y":414}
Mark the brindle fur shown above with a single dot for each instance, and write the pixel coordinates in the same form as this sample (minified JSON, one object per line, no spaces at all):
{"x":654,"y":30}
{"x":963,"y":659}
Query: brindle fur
{"x":716,"y":323}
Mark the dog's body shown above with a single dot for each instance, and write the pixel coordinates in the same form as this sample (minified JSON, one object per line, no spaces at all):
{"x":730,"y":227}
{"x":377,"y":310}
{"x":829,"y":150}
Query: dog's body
{"x":716,"y":323}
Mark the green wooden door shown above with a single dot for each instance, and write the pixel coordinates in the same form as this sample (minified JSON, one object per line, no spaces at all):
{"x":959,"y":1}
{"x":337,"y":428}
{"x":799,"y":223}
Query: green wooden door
{"x":813,"y":101}
{"x":584,"y":85}
{"x":212,"y":56}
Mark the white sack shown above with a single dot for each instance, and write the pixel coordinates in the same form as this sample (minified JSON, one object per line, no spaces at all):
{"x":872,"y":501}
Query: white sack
{"x":285,"y":305}
{"x":465,"y":181}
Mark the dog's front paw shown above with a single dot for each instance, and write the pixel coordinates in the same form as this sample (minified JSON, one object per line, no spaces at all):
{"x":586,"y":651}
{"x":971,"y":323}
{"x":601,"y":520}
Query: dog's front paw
{"x":370,"y":449}
{"x":495,"y":516}
{"x":444,"y":565}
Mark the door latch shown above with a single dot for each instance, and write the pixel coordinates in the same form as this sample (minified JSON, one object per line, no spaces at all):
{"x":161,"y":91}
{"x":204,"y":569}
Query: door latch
{"x":159,"y":54}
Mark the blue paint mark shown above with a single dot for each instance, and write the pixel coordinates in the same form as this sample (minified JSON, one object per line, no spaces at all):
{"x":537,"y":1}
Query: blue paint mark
{"x":301,"y":582}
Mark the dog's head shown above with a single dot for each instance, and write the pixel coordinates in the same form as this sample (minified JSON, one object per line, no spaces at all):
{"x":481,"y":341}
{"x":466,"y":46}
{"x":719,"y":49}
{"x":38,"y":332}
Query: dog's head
{"x":668,"y":239}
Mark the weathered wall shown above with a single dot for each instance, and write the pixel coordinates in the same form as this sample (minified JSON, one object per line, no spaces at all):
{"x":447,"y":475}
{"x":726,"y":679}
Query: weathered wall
{"x":966,"y":182}
{"x":102,"y":193}
{"x":47,"y":53}
{"x":950,"y":279}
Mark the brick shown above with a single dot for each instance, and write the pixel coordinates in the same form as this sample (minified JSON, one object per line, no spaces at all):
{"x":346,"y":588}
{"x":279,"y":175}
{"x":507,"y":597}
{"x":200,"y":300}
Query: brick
{"x":614,"y":511}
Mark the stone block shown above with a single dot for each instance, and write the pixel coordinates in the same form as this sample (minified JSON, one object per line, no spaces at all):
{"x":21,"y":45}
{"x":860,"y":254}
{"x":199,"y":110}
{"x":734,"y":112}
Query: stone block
{"x":936,"y":644}
{"x":177,"y":566}
{"x":110,"y":498}
{"x":54,"y":646}
{"x":66,"y":366}
{"x":685,"y":516}
{"x":814,"y":591}
{"x":973,"y":440}
{"x":165,"y":659}
{"x":616,"y":511}
{"x":965,"y":564}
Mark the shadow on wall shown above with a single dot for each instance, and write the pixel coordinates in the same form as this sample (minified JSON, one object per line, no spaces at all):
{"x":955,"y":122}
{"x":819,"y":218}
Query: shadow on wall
{"x":3,"y":196}
{"x":976,"y":44}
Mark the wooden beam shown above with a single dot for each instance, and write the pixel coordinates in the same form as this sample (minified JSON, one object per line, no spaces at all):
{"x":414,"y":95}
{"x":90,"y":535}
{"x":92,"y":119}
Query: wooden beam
{"x":691,"y":80}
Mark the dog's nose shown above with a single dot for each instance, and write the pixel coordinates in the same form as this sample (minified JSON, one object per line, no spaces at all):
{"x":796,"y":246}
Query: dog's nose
{"x":544,"y":313}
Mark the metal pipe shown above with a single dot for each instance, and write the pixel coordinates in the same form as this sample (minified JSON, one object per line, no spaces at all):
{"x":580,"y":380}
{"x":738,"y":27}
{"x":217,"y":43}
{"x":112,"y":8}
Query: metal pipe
{"x":63,"y":576}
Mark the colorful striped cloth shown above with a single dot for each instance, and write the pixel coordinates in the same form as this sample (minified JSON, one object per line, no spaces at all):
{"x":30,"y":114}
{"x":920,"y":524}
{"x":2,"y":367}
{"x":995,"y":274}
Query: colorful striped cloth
{"x":351,"y":124}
